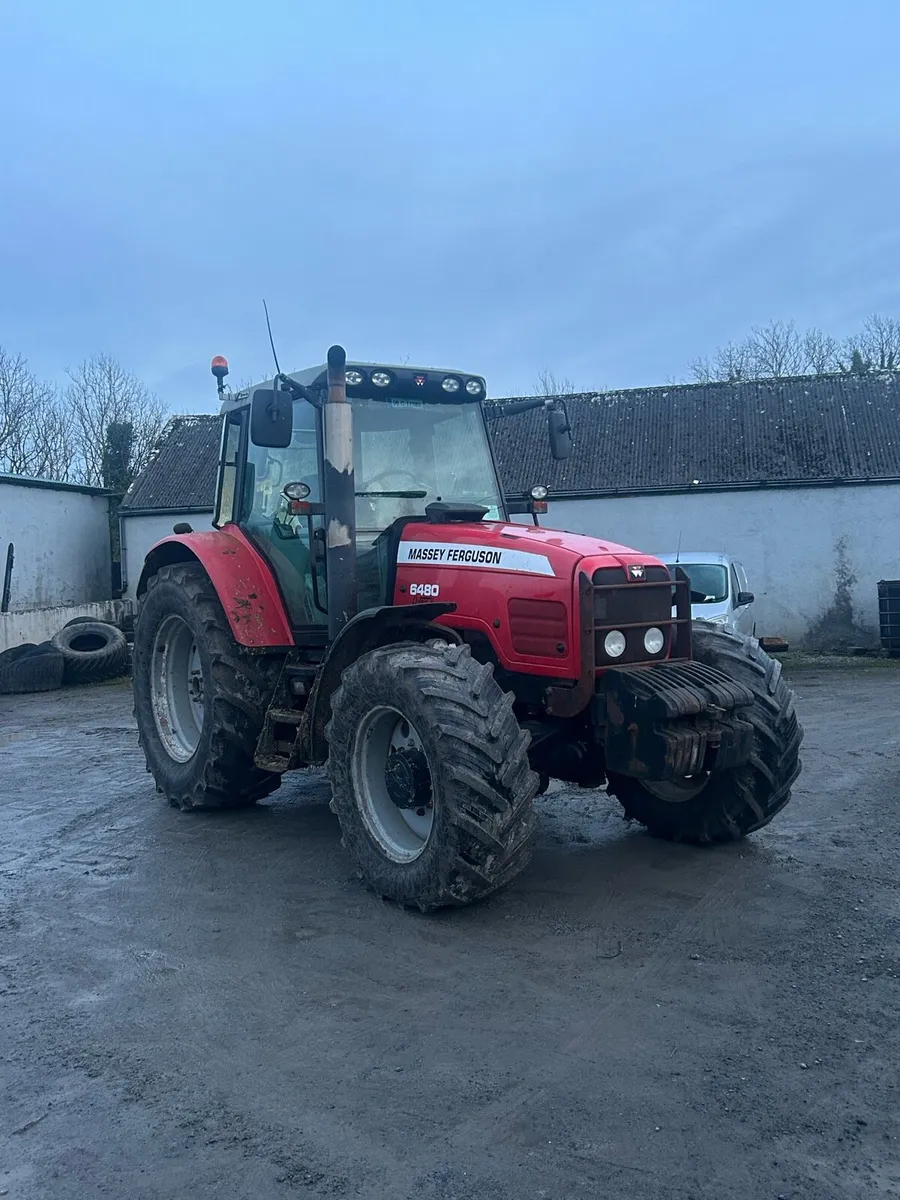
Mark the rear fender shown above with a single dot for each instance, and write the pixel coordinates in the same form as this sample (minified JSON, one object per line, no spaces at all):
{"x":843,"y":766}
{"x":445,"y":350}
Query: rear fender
{"x":242,"y":578}
{"x":369,"y":629}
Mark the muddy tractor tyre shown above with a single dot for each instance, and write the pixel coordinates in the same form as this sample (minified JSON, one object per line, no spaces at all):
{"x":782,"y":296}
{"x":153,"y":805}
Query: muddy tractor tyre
{"x":92,"y":651}
{"x":199,"y":697}
{"x":725,"y":807}
{"x":31,"y":669}
{"x":430,"y":776}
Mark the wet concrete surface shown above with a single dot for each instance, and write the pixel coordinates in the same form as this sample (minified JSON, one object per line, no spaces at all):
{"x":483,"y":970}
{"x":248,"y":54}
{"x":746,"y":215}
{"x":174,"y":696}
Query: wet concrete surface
{"x":214,"y":1007}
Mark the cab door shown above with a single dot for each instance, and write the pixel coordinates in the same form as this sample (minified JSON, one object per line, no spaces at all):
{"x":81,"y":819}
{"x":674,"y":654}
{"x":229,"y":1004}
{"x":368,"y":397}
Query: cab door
{"x":282,"y":537}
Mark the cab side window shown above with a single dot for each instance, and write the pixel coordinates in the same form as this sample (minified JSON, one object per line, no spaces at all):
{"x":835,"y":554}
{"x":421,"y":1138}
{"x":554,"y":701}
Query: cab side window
{"x":230,"y":451}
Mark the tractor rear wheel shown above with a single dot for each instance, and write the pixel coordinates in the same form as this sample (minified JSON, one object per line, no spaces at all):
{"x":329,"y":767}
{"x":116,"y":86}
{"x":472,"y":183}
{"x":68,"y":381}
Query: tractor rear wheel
{"x":199,"y":698}
{"x":725,"y":807}
{"x":430,"y":775}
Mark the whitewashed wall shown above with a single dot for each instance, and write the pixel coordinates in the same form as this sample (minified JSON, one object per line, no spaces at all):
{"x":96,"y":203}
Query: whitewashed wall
{"x":62,"y":545}
{"x":139,"y":533}
{"x":805,"y":549}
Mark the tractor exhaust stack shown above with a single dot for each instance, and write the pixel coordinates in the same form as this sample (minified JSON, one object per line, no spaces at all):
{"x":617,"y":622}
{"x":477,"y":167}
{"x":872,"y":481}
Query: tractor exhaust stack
{"x":340,"y":497}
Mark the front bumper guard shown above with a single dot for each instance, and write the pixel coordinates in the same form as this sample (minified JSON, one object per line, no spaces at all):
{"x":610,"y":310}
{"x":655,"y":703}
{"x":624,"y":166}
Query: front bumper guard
{"x":675,"y":719}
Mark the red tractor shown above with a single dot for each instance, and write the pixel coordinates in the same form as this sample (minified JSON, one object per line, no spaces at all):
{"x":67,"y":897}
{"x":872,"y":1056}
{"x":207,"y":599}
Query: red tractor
{"x":365,"y":602}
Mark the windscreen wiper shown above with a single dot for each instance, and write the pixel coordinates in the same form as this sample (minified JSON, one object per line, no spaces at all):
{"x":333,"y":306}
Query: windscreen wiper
{"x":420,"y":495}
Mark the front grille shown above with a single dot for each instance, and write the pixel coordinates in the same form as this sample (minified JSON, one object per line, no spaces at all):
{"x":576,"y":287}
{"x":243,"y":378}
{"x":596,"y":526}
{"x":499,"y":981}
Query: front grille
{"x":632,"y":606}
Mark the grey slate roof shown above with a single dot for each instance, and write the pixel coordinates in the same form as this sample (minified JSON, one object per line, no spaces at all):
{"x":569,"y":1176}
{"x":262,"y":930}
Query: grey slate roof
{"x":807,"y":430}
{"x":804,"y":431}
{"x":183,"y":473}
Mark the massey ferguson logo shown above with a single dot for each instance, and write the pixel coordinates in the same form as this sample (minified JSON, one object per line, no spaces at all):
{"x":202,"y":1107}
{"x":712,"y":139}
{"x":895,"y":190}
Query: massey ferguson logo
{"x":636,"y":571}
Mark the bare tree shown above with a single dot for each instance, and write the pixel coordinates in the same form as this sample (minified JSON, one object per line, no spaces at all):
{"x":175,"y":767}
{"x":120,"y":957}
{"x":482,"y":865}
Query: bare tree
{"x":34,"y":434}
{"x":821,"y":352}
{"x":103,"y":396}
{"x":876,"y":348}
{"x":776,"y":350}
{"x":730,"y":363}
{"x":548,"y":385}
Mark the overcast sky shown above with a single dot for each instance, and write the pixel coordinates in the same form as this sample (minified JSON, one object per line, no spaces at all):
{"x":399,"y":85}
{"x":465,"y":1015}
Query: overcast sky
{"x":605,"y":189}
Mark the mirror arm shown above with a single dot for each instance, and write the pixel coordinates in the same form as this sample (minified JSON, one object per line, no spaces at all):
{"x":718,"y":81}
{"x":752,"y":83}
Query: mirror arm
{"x":495,"y":412}
{"x":298,"y":389}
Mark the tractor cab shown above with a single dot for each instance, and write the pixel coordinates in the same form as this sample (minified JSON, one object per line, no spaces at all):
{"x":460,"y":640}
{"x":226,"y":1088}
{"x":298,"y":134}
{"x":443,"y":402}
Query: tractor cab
{"x":419,"y":438}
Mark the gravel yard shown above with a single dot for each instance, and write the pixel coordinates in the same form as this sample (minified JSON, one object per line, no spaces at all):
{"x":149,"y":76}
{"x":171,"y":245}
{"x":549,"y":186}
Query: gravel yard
{"x":213,"y":1006}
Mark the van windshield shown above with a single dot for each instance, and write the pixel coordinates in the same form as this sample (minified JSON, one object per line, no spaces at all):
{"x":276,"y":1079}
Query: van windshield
{"x":709,"y":582}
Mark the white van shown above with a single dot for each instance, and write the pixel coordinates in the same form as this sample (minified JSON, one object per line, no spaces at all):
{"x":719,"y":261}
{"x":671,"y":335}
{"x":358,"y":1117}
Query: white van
{"x":720,"y":593}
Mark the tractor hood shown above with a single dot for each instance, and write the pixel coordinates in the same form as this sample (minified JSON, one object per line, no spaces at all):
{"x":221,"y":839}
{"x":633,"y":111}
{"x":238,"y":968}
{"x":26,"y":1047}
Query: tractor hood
{"x":523,"y":549}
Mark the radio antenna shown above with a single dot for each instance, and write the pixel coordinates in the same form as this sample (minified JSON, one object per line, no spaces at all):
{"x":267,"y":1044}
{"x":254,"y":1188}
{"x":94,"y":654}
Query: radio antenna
{"x":678,"y":551}
{"x":272,"y":341}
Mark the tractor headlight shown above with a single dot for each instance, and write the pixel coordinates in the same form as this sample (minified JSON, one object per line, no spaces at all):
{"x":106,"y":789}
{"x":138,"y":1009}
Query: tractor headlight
{"x":381,"y":378}
{"x":654,"y":640}
{"x":474,"y":387}
{"x":614,"y":643}
{"x":451,"y":384}
{"x":539,"y":492}
{"x":355,"y":378}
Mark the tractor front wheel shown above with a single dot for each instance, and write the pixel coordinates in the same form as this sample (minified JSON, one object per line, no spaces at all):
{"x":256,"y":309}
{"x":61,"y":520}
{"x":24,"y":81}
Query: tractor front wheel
{"x":430,"y":775}
{"x":725,"y":806}
{"x":199,"y":698}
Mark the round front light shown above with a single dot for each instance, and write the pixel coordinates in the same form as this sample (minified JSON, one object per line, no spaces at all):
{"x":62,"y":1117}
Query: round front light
{"x":614,"y":643}
{"x":539,"y":492}
{"x":654,"y":640}
{"x":474,"y":387}
{"x":451,"y":384}
{"x":354,"y":378}
{"x":381,"y":379}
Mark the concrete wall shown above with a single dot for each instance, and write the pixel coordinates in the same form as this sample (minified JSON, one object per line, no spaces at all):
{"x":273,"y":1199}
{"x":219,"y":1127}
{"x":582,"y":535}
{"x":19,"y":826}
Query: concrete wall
{"x":62,"y":545}
{"x":41,"y":624}
{"x":813,"y":555}
{"x":139,"y":533}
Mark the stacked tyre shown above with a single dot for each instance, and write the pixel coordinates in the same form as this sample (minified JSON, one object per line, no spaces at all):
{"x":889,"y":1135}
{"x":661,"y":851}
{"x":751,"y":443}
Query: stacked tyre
{"x":31,"y":668}
{"x":91,"y":651}
{"x":84,"y":651}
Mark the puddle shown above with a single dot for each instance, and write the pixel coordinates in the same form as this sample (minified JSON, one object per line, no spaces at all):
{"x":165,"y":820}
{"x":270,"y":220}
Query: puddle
{"x":7,"y":739}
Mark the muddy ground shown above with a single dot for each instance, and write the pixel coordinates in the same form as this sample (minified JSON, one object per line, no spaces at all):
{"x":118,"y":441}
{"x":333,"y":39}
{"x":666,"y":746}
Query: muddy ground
{"x":214,"y":1007}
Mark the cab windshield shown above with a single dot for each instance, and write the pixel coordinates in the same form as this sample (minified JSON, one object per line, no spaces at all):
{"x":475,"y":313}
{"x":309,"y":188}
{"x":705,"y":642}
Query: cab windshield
{"x":409,"y":453}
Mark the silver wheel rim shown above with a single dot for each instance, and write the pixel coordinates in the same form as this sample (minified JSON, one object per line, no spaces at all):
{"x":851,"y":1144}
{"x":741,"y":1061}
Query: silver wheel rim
{"x":401,"y":833}
{"x":176,"y":688}
{"x":678,"y":791}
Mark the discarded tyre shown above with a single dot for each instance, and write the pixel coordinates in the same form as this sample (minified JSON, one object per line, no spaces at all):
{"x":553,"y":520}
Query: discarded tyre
{"x":14,"y":652}
{"x":31,"y":669}
{"x":92,"y":651}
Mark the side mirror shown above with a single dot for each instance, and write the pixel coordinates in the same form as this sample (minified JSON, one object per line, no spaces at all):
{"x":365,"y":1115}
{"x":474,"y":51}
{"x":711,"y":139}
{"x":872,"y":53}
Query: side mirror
{"x":271,"y":419}
{"x":560,"y":434}
{"x":744,"y":598}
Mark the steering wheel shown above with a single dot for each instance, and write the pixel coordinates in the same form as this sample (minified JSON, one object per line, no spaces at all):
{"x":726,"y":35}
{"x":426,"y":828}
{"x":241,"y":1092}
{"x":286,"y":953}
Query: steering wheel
{"x":395,"y":471}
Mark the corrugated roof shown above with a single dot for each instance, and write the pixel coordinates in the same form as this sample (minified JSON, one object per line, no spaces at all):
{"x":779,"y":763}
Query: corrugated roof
{"x":811,"y":429}
{"x":182,"y":475}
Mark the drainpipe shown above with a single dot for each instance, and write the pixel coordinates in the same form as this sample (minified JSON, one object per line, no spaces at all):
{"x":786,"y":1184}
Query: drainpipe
{"x":7,"y":578}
